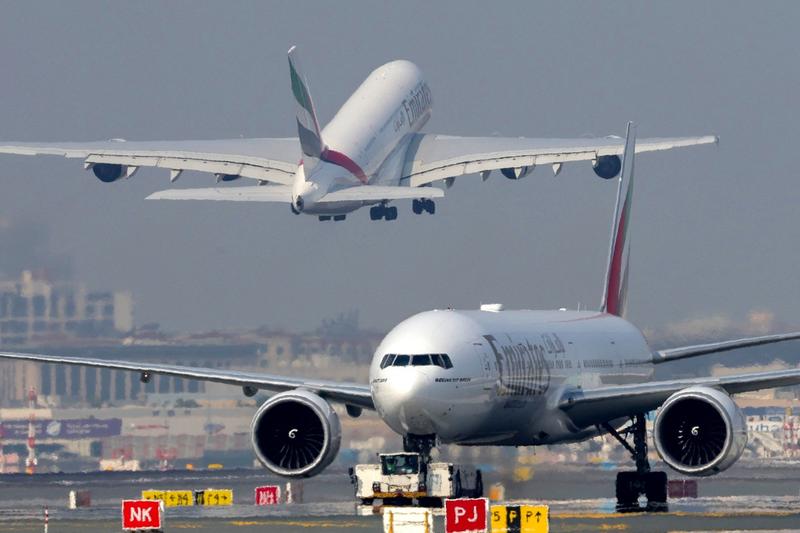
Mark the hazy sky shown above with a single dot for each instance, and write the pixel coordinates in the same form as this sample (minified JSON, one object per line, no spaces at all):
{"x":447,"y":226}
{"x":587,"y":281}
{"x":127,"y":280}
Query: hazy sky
{"x":715,"y":230}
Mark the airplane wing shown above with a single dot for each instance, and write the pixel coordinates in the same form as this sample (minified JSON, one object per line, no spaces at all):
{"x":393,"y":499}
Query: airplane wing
{"x":272,"y":160}
{"x":595,"y":406}
{"x":673,"y":354}
{"x":432,"y":157}
{"x":354,"y":394}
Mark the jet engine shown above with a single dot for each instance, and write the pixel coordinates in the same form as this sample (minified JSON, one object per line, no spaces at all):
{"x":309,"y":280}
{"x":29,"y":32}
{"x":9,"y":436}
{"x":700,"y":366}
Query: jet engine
{"x":700,"y":431}
{"x":516,"y":173}
{"x":296,"y":434}
{"x":108,"y":172}
{"x":607,"y":166}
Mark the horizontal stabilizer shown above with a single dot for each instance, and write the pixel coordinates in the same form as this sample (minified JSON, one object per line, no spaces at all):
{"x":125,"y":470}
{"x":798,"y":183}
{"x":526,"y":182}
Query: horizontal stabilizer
{"x":265,"y":193}
{"x":374,"y":193}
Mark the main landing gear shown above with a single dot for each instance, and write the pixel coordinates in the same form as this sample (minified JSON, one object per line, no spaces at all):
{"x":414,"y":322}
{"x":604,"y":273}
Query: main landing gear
{"x":642,"y":482}
{"x":423,"y":206}
{"x":382,"y":211}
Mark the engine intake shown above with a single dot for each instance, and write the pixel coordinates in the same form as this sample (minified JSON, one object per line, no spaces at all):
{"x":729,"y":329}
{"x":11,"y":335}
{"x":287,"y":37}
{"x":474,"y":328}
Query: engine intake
{"x":296,"y":434}
{"x":516,"y":173}
{"x":108,"y":172}
{"x":700,"y":431}
{"x":607,"y":166}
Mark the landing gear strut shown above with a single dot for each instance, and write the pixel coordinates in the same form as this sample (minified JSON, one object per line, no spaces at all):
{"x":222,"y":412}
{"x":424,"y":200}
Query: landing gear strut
{"x":382,"y":211}
{"x":421,"y":444}
{"x":643,"y":482}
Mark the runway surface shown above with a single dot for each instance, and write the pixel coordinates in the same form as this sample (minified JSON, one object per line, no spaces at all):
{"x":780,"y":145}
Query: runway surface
{"x":744,"y":498}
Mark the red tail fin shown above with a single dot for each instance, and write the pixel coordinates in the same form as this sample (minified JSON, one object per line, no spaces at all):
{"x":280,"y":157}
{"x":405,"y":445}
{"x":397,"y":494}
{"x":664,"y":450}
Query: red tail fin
{"x":615,"y":291}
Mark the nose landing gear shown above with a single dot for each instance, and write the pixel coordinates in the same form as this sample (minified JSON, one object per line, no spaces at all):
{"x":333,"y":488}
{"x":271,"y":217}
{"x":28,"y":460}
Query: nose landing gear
{"x":643,"y":482}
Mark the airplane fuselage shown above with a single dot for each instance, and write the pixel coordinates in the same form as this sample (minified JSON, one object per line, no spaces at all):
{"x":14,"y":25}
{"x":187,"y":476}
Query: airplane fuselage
{"x":367,"y":138}
{"x":509,"y":371}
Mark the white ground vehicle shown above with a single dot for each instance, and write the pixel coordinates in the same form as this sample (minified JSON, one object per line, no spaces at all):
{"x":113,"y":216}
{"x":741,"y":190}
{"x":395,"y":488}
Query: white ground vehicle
{"x":401,"y":478}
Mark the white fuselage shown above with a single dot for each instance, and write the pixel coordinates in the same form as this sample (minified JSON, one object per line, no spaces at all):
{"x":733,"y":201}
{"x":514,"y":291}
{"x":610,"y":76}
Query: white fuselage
{"x":367,"y":139}
{"x":509,"y":371}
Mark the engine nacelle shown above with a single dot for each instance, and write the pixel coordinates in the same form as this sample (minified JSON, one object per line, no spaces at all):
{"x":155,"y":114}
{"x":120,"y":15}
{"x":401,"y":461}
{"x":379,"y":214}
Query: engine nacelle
{"x":700,"y":431}
{"x":108,"y":172}
{"x":607,"y":166}
{"x":516,"y":173}
{"x":296,"y":434}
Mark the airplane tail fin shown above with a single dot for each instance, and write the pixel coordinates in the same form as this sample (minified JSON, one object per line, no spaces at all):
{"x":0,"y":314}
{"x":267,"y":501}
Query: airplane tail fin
{"x":616,"y":282}
{"x":307,"y":125}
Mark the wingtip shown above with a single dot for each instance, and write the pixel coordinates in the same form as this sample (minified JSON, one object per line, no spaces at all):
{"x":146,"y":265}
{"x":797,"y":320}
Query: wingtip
{"x":292,"y":49}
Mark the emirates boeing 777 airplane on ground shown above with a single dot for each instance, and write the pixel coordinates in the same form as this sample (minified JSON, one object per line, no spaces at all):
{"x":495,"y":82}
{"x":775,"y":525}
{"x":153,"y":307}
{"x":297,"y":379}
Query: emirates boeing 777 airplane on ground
{"x":371,"y":153}
{"x":516,"y":378}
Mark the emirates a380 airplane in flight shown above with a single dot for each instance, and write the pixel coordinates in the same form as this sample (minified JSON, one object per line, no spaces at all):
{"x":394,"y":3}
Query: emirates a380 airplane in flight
{"x":515,"y":378}
{"x":371,"y":153}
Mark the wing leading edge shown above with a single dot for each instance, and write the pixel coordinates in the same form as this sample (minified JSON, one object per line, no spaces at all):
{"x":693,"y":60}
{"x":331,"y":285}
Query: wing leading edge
{"x":435,"y":157}
{"x":354,"y":394}
{"x":262,"y":159}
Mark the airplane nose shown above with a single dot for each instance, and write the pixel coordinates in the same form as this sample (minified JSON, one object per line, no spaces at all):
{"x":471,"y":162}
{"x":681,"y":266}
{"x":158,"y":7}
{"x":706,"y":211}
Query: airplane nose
{"x":404,"y":401}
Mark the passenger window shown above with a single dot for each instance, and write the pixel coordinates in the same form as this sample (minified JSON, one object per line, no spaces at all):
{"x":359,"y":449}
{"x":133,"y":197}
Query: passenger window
{"x":387,"y":360}
{"x":421,"y":360}
{"x":401,"y":360}
{"x":446,"y":360}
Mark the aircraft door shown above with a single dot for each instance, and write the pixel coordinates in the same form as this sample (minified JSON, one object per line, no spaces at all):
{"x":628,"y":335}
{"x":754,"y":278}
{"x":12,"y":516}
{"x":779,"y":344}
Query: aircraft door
{"x":484,"y":358}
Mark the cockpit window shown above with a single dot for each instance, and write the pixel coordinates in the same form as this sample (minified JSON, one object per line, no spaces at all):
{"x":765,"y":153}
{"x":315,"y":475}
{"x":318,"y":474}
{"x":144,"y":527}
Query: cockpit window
{"x":387,"y":360}
{"x":425,"y":359}
{"x":421,"y":360}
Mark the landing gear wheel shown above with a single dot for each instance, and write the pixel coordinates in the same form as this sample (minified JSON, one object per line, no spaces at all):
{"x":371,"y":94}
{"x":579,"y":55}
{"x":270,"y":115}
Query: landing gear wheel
{"x":417,"y":206}
{"x":631,"y":485}
{"x":324,"y":218}
{"x":339,"y":218}
{"x":391,"y":213}
{"x":367,"y":501}
{"x":430,"y":206}
{"x":627,"y":492}
{"x":376,"y":212}
{"x":655,"y":488}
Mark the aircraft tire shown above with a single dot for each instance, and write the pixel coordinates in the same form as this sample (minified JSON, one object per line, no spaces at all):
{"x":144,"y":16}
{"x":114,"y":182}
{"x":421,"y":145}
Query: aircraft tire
{"x":655,"y":484}
{"x":627,"y":489}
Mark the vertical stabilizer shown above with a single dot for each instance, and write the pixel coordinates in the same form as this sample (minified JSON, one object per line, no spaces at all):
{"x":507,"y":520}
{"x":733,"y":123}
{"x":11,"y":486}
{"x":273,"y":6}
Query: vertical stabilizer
{"x":616,"y":282}
{"x":307,"y":125}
